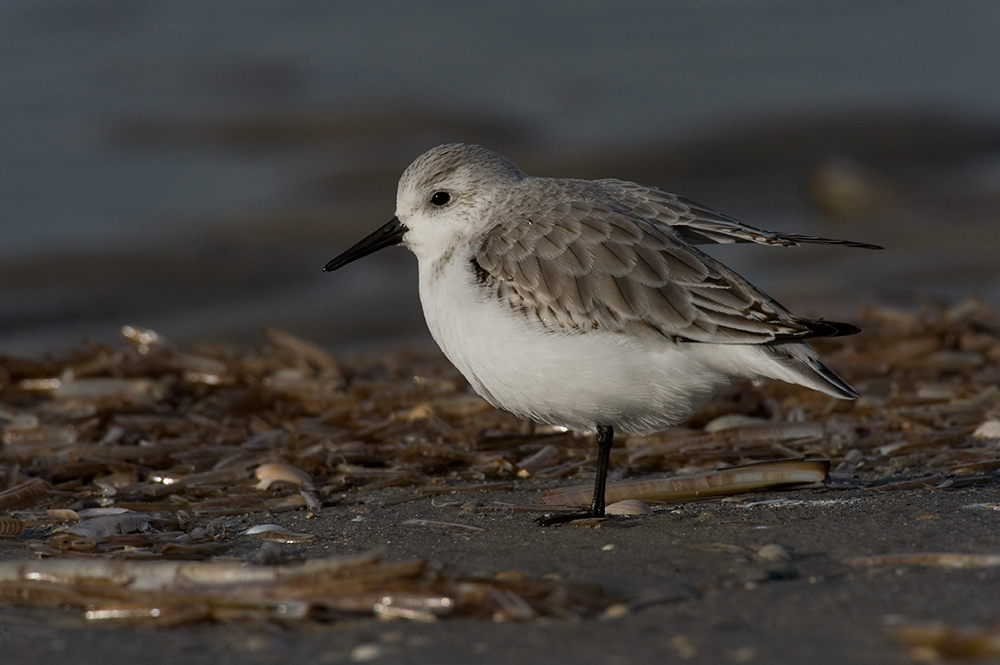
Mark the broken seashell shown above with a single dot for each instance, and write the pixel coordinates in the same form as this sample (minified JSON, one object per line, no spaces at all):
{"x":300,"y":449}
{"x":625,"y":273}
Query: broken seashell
{"x":629,"y":507}
{"x":274,"y":472}
{"x":276,"y":533}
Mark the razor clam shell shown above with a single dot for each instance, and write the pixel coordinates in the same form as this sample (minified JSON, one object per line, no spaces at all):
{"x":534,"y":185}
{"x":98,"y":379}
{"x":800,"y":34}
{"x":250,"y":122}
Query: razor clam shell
{"x":733,"y":480}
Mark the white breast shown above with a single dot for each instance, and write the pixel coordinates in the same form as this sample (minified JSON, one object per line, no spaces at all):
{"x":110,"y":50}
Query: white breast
{"x":577,"y":380}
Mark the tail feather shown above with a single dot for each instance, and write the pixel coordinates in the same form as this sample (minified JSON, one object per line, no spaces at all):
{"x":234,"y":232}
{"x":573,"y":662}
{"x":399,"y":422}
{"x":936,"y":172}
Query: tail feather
{"x":798,"y":363}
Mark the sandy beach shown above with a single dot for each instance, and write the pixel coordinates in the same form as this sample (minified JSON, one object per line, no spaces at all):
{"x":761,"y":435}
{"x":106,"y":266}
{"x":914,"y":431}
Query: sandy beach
{"x":271,"y":459}
{"x":296,"y":474}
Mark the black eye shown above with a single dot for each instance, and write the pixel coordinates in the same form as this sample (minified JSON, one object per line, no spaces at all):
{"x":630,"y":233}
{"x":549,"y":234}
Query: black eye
{"x":440,"y":198}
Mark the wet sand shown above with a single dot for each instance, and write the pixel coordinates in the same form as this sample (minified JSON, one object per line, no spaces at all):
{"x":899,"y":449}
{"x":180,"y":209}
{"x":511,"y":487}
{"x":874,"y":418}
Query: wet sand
{"x":695,"y":590}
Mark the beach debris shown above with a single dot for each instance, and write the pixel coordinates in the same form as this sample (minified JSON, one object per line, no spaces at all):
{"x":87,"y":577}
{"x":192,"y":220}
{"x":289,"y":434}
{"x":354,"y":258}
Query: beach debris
{"x":988,"y":430}
{"x":274,"y":472}
{"x":933,"y":641}
{"x":629,"y":507}
{"x":11,"y":527}
{"x":306,"y":352}
{"x":275,"y":533}
{"x":444,"y":526}
{"x":778,"y":562}
{"x":732,"y":480}
{"x":172,"y":592}
{"x":366,"y":652}
{"x":143,"y":340}
{"x":25,"y":494}
{"x":63,"y":515}
{"x":683,"y":647}
{"x":103,"y":420}
{"x":935,"y":559}
{"x":17,"y":420}
{"x":842,"y":187}
{"x":346,"y":436}
{"x":108,"y":525}
{"x":125,"y":391}
{"x":172,"y":442}
{"x":774,"y":553}
{"x":541,"y":458}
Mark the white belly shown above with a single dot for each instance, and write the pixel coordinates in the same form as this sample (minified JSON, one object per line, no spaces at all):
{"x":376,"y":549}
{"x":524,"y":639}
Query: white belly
{"x":577,"y":380}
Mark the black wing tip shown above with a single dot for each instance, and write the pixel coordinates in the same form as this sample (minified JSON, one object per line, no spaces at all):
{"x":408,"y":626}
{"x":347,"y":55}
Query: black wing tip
{"x":823,"y":328}
{"x":861,"y":245}
{"x":796,"y":239}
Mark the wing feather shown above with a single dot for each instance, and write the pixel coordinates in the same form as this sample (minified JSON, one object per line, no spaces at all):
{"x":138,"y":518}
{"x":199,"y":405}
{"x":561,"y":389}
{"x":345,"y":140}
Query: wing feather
{"x":584,"y":265}
{"x":699,"y":225}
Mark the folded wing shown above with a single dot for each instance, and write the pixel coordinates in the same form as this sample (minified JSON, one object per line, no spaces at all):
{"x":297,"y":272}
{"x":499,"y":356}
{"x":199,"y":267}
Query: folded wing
{"x":591,"y":265}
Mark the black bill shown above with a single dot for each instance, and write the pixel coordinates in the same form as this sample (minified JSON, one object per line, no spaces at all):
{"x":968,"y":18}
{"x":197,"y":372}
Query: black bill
{"x":385,"y":236}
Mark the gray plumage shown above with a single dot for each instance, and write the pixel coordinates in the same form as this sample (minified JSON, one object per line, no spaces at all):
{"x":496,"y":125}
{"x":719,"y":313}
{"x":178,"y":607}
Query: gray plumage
{"x":612,"y":255}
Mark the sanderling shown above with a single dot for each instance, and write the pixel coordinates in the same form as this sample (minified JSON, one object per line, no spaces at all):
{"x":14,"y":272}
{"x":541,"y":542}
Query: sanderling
{"x":585,"y":303}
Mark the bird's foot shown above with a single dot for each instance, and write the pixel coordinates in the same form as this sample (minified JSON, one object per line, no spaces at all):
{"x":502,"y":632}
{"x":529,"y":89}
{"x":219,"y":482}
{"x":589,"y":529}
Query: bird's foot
{"x":551,"y":519}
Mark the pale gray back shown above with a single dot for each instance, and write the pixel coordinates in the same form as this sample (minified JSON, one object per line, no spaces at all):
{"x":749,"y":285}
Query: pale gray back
{"x":615,"y":256}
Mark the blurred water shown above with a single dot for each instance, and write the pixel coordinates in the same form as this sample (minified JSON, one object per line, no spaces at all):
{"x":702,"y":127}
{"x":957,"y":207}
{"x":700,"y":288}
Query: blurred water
{"x":192,"y":164}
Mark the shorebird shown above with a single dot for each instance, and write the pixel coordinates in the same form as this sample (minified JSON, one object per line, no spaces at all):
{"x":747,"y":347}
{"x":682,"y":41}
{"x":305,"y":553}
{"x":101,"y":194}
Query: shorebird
{"x":586,"y":303}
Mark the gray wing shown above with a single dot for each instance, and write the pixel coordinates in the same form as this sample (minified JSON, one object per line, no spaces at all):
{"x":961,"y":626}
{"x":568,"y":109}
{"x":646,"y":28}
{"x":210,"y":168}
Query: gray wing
{"x":590,"y":264}
{"x":699,"y":225}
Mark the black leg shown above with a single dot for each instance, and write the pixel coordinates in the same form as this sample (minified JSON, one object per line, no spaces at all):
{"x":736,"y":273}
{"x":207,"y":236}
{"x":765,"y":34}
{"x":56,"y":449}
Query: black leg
{"x":605,"y":439}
